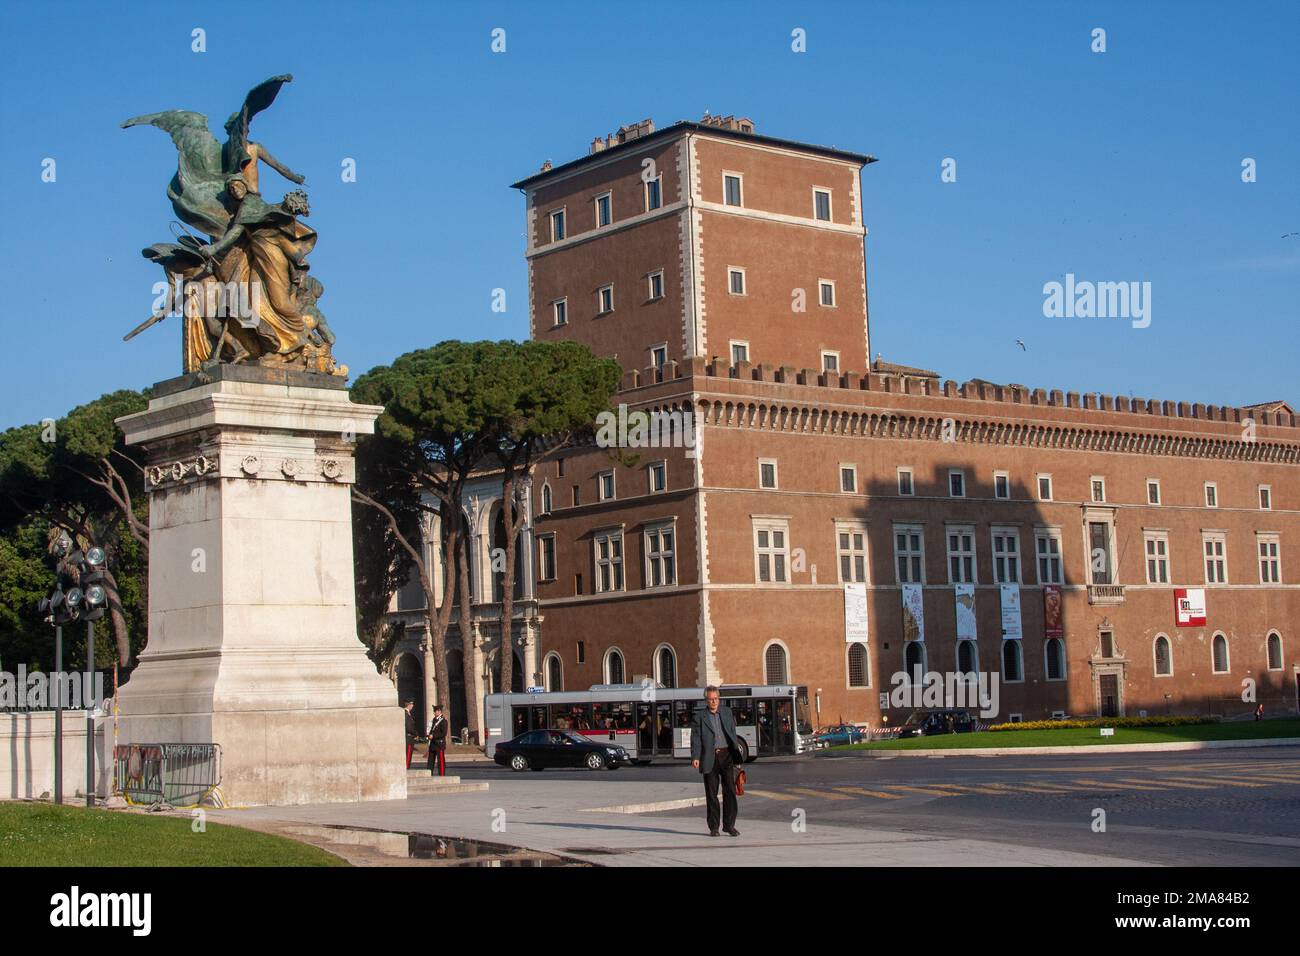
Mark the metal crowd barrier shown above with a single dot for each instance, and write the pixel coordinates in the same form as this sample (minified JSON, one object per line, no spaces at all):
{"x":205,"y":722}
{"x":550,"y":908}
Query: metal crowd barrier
{"x":177,"y":774}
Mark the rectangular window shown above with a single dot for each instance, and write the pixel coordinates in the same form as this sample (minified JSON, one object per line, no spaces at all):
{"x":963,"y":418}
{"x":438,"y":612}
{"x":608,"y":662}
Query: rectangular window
{"x":557,"y":225}
{"x":653,"y":196}
{"x":660,"y":557}
{"x":659,"y":356}
{"x":739,"y":352}
{"x":731,"y":189}
{"x":961,"y":555}
{"x":905,"y":486}
{"x":1157,"y":551}
{"x":1001,"y":485}
{"x":577,"y":495}
{"x":1006,"y":555}
{"x":909,"y":554}
{"x":1215,"y":546}
{"x":609,"y":561}
{"x":605,"y":486}
{"x":822,"y":204}
{"x":605,"y":300}
{"x":1270,"y":561}
{"x":1211,"y":495}
{"x":1047,"y":545}
{"x":582,"y":645}
{"x":771,"y":553}
{"x":560,"y":308}
{"x":657,"y":473}
{"x":849,"y":478}
{"x":656,"y":282}
{"x":1098,"y":489}
{"x":1153,"y":491}
{"x":767,"y":473}
{"x":604,"y":210}
{"x":1265,"y":497}
{"x":546,"y":557}
{"x":830,"y":361}
{"x":827,"y":291}
{"x":736,"y":281}
{"x":1044,"y":487}
{"x":1099,"y":552}
{"x":1107,"y":642}
{"x":851,"y":547}
{"x":559,"y":467}
{"x":956,"y":483}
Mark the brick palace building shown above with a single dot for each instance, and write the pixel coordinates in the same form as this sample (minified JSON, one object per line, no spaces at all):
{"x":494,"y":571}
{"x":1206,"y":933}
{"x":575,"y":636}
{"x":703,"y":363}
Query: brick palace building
{"x":725,"y":270}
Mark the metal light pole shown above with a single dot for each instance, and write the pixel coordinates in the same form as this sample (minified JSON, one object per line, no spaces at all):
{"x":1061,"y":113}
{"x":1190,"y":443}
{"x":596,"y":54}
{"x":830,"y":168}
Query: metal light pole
{"x":90,"y":713}
{"x":58,"y":713}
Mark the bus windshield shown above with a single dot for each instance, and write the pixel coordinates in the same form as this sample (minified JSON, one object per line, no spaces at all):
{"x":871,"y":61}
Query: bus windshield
{"x":803,"y":719}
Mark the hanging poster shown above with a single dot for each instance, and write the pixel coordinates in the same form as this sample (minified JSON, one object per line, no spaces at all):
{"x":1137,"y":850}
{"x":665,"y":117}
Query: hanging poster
{"x":913,"y":613}
{"x":1011,"y":629}
{"x":964,"y":599}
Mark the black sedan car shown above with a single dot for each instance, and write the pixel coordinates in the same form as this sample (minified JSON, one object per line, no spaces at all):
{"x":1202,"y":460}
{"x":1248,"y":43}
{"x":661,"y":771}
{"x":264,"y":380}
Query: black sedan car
{"x":539,"y":749}
{"x":927,"y":724}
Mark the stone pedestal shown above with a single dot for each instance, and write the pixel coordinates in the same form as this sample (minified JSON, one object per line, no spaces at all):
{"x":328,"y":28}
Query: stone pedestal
{"x":252,"y":620}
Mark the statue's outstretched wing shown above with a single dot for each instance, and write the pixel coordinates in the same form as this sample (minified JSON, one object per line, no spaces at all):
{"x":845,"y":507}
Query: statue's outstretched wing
{"x":195,"y":189}
{"x":234,"y":153}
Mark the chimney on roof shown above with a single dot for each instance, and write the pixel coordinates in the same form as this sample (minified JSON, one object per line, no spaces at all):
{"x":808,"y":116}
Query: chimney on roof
{"x":741,"y":124}
{"x":625,"y":134}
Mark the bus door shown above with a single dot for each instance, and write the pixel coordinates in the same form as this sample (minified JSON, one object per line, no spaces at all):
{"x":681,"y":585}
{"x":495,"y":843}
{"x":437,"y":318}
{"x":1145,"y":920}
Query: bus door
{"x":765,"y":713}
{"x":654,"y":729}
{"x":783,"y":725}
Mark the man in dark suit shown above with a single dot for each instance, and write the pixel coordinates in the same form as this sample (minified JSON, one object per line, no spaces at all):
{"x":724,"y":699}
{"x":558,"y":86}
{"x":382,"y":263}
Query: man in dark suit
{"x":438,"y":743}
{"x":715,"y":752}
{"x":411,"y":730}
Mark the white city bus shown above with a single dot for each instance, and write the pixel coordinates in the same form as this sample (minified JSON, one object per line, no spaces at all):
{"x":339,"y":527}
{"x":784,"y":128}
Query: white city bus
{"x":654,"y":722}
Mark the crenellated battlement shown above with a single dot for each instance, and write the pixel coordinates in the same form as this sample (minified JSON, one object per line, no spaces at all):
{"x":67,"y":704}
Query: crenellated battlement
{"x":974,"y":390}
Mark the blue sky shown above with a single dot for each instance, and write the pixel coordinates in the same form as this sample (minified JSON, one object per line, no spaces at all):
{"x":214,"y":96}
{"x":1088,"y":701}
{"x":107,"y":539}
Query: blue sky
{"x":1116,"y":166}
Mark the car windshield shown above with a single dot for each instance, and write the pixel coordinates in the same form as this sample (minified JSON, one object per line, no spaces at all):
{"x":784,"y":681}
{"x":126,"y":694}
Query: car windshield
{"x":916,"y":717}
{"x":575,"y":738}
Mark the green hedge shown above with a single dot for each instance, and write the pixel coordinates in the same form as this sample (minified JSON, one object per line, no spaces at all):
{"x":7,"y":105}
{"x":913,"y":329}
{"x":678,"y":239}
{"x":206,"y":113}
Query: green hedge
{"x":1087,"y":722}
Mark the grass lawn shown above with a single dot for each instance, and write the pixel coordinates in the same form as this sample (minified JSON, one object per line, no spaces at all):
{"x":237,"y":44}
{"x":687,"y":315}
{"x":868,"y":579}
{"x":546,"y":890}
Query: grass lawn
{"x":1091,"y":737}
{"x":41,"y":834}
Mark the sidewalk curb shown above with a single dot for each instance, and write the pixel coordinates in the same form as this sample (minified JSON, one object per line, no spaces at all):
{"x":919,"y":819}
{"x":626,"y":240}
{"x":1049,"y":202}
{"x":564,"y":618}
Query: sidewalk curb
{"x":1079,"y":748}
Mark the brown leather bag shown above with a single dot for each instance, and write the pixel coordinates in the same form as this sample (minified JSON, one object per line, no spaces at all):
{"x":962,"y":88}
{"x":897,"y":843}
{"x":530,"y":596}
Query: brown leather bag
{"x":740,"y":781}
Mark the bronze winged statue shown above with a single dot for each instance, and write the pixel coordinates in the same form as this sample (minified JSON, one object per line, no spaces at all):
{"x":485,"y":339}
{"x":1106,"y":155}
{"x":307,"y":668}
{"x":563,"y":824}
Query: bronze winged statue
{"x":245,"y":293}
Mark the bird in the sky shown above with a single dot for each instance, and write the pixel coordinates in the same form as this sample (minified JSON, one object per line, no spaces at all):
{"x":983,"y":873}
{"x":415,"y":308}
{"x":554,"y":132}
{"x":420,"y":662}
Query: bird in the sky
{"x":1021,"y":343}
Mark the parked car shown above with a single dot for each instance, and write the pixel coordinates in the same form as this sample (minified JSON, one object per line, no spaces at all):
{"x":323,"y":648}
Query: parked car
{"x":924,"y":723}
{"x":539,"y":749}
{"x":839,"y":735}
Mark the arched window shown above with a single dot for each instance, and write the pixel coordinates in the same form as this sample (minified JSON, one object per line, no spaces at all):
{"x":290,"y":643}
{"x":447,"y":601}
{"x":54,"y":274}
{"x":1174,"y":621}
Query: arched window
{"x":1275,"y":651}
{"x":1220,"y":654}
{"x":666,"y":666}
{"x":914,"y":661}
{"x":1012,"y":663}
{"x":554,"y":672}
{"x":859,"y":673}
{"x":1164,"y":657}
{"x":1054,"y":652}
{"x":774,"y":664}
{"x":546,"y":499}
{"x":614,"y":666}
{"x":967,"y":657}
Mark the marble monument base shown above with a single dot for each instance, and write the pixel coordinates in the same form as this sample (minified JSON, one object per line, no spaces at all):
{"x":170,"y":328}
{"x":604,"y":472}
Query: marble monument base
{"x":252,"y":620}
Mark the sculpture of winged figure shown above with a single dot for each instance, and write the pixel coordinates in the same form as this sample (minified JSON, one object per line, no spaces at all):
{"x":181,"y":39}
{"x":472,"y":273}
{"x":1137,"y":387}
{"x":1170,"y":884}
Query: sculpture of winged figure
{"x":245,"y":293}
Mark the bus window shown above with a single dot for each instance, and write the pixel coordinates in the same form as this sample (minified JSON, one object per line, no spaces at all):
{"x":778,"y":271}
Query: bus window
{"x":571,"y":717}
{"x":538,"y":718}
{"x":683,"y":710}
{"x":742,"y":708}
{"x":614,"y":716}
{"x":519,"y":721}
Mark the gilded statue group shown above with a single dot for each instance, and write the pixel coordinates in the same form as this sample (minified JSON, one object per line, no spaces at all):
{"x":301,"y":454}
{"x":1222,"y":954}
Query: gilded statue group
{"x":245,"y":293}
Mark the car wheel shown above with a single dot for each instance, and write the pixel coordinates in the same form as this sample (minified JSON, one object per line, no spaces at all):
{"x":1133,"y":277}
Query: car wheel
{"x":595,"y":761}
{"x":520,"y":762}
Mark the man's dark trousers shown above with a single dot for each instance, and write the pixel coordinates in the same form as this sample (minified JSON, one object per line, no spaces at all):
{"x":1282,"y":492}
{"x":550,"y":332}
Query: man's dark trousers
{"x":721,"y":773}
